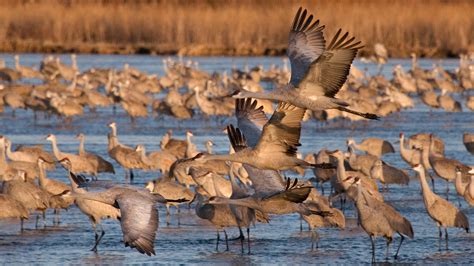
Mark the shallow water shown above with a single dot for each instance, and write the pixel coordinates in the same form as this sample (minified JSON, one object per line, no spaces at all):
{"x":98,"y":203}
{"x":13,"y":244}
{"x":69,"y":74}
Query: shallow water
{"x":194,"y":240}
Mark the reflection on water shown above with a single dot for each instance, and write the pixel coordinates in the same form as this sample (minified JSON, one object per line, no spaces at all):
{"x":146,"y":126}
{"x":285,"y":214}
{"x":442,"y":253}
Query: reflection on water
{"x":194,"y":240}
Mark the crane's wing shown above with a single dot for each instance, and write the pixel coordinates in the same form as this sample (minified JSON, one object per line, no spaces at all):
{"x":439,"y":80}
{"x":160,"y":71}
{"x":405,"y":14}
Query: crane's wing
{"x":328,"y":73}
{"x":139,"y":221}
{"x":305,"y":44}
{"x":250,"y":119}
{"x":281,"y":134}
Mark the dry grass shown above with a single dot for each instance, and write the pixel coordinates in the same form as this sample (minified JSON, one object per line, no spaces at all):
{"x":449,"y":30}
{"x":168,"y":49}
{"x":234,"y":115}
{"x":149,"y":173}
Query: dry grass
{"x":430,"y":27}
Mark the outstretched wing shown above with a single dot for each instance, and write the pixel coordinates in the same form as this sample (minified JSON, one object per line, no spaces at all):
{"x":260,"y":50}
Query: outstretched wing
{"x":305,"y":44}
{"x":139,"y":221}
{"x":281,"y":134}
{"x":250,"y":119}
{"x":328,"y":73}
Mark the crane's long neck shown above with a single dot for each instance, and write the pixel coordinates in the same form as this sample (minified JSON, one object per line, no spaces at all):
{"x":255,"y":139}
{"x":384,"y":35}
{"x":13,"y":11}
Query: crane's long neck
{"x":208,"y":148}
{"x":425,"y":159}
{"x":471,"y":186}
{"x":17,"y":63}
{"x":42,"y":175}
{"x":81,"y":146}
{"x":458,"y":183}
{"x":57,"y":153}
{"x":114,"y":130}
{"x":8,"y":151}
{"x":427,"y":193}
{"x":341,"y":171}
{"x":3,"y":159}
{"x":234,"y":157}
{"x":403,"y":150}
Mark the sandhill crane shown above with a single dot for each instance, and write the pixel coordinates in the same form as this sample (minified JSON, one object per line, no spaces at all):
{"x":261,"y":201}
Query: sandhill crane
{"x":440,"y":210}
{"x":79,"y":163}
{"x":28,"y":194}
{"x":380,"y":219}
{"x":272,"y":194}
{"x":373,"y":146}
{"x":422,"y":140}
{"x":409,"y":155}
{"x":317,"y":73}
{"x":138,"y":214}
{"x":13,"y":168}
{"x":169,"y":189}
{"x":161,"y":160}
{"x":30,"y":154}
{"x":316,"y":202}
{"x":102,"y":165}
{"x":463,"y":186}
{"x":174,"y":146}
{"x":444,"y":167}
{"x":342,"y":185}
{"x":209,"y":145}
{"x":323,"y":175}
{"x":54,"y":188}
{"x":11,"y":208}
{"x":430,"y":98}
{"x":26,"y":72}
{"x":127,"y":157}
{"x":277,"y":146}
{"x":388,"y":174}
{"x":191,"y":149}
{"x":381,"y":55}
{"x":220,"y":216}
{"x":468,"y":140}
{"x":94,"y":210}
{"x":363,"y":162}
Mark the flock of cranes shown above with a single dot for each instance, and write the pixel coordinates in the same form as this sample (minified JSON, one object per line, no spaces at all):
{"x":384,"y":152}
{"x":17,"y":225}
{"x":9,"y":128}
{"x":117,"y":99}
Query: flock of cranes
{"x":261,"y":148}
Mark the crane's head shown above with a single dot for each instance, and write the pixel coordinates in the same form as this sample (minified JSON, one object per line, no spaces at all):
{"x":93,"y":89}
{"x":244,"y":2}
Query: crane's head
{"x":80,"y":136}
{"x":66,"y":163}
{"x":189,"y":133}
{"x":350,"y":141}
{"x":401,"y":135}
{"x":50,"y":137}
{"x":112,"y":125}
{"x":418,"y":168}
{"x":150,"y":185}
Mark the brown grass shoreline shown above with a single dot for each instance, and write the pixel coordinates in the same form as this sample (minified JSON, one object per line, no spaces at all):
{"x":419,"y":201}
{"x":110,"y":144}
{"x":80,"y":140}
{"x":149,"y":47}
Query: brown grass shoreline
{"x":431,"y":28}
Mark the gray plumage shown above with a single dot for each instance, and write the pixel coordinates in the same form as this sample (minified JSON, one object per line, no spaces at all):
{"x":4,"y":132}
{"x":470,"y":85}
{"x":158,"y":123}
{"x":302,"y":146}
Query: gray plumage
{"x":102,"y":165}
{"x":468,"y":140}
{"x":317,"y":72}
{"x":373,"y":146}
{"x":138,"y":214}
{"x":440,"y":210}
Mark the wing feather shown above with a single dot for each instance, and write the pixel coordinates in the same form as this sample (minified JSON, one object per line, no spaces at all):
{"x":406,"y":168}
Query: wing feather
{"x":282,"y":132}
{"x":139,"y":220}
{"x":328,"y":73}
{"x":250,"y":119}
{"x":305,"y":44}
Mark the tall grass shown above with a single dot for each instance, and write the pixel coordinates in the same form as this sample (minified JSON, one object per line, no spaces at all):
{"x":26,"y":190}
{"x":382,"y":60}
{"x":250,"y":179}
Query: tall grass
{"x":428,"y":27}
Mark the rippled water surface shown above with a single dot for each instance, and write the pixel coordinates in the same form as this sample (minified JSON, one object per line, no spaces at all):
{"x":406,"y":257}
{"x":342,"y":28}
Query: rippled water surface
{"x":194,"y":240}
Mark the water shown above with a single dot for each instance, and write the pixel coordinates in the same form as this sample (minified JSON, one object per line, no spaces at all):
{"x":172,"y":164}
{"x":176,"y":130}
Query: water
{"x":194,"y":240}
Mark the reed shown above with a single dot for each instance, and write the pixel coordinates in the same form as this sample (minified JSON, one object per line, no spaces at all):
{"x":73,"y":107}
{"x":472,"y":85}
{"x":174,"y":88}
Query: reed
{"x":428,"y":27}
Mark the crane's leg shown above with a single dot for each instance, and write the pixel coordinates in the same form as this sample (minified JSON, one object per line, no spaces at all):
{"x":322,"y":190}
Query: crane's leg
{"x":21,"y":224}
{"x":389,"y":240}
{"x":179,"y":215}
{"x":37,"y":219}
{"x":167,"y":215}
{"x":399,"y":246}
{"x":226,"y":241}
{"x":241,"y":240}
{"x":131,"y":175}
{"x":447,"y":189}
{"x":217,"y":242}
{"x":98,"y":238}
{"x":314,"y":238}
{"x":248,"y":239}
{"x":301,"y":223}
{"x":44,"y":218}
{"x":440,"y":236}
{"x":446,"y":237}
{"x":373,"y":248}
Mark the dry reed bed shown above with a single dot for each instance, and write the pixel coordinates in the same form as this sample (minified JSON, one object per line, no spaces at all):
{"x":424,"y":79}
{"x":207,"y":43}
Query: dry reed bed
{"x":430,"y":28}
